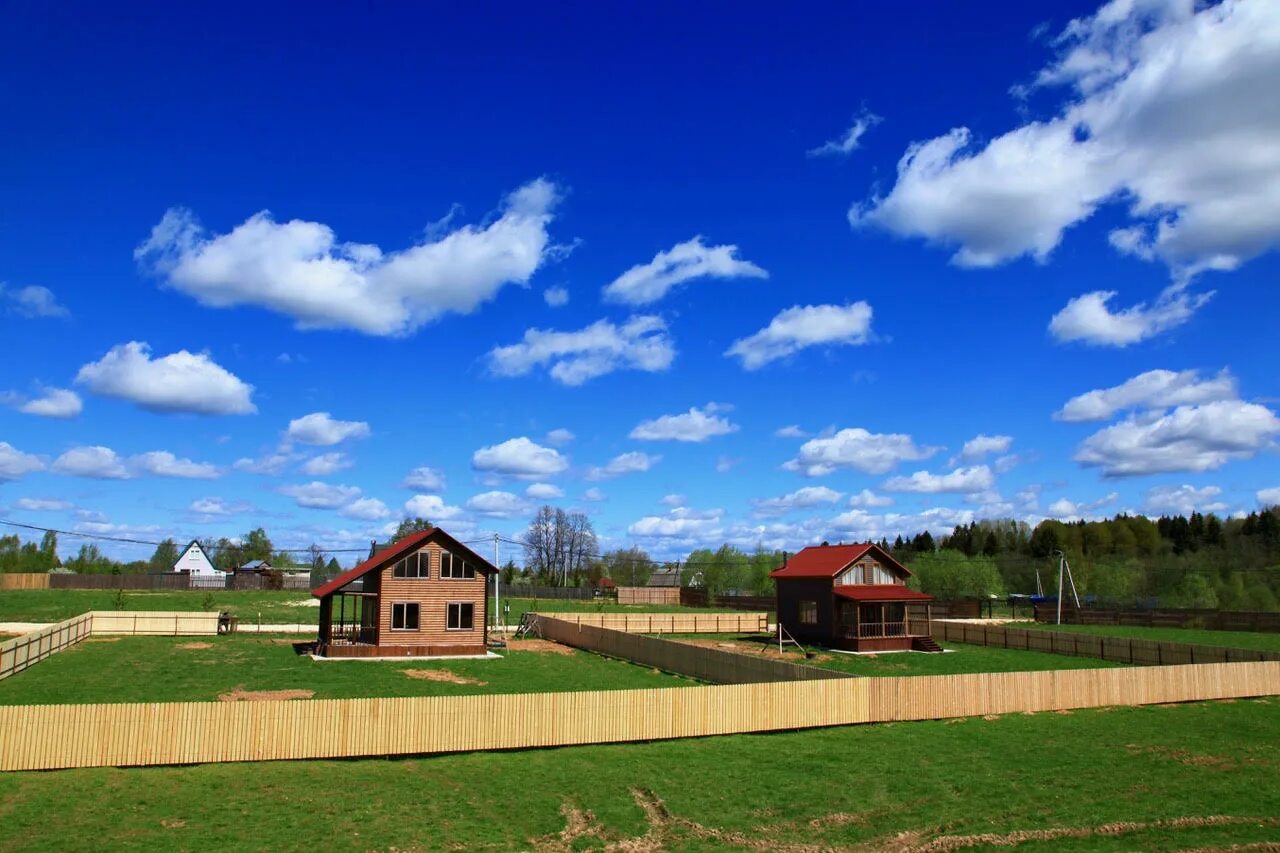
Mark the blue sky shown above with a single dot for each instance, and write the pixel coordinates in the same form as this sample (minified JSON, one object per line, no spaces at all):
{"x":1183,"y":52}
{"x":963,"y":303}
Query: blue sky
{"x":259,"y":267}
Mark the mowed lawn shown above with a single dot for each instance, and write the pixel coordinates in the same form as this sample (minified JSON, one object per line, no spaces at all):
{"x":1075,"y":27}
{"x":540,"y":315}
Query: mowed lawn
{"x":1203,"y":775}
{"x":1267,"y":642}
{"x":179,"y":669}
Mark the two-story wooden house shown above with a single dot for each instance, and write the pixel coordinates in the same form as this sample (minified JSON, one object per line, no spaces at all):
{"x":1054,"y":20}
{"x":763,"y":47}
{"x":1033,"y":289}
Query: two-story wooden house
{"x":852,"y":597}
{"x":422,"y":596}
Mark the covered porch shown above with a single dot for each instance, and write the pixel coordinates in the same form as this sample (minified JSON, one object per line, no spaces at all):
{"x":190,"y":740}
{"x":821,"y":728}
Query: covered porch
{"x":348,"y":620}
{"x":880,"y":618}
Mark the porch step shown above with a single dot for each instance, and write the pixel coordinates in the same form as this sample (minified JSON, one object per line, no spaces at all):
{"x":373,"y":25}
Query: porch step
{"x":925,"y":644}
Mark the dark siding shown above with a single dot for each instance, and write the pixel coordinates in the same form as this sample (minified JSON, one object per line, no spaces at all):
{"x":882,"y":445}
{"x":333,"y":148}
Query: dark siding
{"x":791,"y":593}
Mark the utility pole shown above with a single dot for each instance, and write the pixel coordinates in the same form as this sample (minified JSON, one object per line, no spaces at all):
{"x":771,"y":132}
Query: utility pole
{"x":497,"y":584}
{"x":1064,"y":568}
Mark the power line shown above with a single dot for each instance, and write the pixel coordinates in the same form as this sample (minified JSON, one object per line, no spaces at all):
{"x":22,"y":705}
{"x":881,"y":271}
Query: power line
{"x":102,"y":537}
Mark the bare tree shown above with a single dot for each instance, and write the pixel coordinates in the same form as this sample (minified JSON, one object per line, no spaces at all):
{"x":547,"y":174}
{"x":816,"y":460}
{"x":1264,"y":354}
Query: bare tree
{"x":559,"y":545}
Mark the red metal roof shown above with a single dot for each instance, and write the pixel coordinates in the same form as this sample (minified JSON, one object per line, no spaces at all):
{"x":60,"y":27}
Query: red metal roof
{"x":879,"y":592}
{"x":395,"y":551}
{"x":827,"y":561}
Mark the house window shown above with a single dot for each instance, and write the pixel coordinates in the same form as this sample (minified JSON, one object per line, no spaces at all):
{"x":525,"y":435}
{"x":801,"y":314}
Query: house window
{"x":413,"y":566}
{"x":809,"y":612}
{"x":453,"y":566}
{"x":404,"y":616}
{"x":461,"y":616}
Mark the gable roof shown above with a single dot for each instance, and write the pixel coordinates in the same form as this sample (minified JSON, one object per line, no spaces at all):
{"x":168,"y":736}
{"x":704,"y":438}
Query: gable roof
{"x":827,"y":561}
{"x":664,"y":577}
{"x":398,"y":549}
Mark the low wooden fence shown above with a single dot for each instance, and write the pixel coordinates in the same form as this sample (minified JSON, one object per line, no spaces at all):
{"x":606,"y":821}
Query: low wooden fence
{"x":691,"y":597}
{"x":1122,"y":649}
{"x":21,"y":652}
{"x":151,"y":580}
{"x":669,"y":595}
{"x":670,"y":623}
{"x":558,"y":593}
{"x":24,"y":580}
{"x":172,"y":623}
{"x":706,"y":664}
{"x":46,"y":737}
{"x":1213,"y":620}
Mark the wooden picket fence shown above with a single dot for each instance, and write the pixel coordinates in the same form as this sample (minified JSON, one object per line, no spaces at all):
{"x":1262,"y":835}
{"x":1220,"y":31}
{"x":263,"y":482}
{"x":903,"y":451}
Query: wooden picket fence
{"x":648,"y":595}
{"x":24,"y":580}
{"x":29,"y":649}
{"x":670,"y":623}
{"x":60,"y":736}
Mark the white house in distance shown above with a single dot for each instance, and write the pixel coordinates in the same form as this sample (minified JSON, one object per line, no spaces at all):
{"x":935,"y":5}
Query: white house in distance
{"x":194,"y":560}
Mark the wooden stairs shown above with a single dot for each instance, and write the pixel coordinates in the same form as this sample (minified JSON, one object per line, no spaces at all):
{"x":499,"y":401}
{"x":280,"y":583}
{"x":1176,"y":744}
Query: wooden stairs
{"x":925,"y":644}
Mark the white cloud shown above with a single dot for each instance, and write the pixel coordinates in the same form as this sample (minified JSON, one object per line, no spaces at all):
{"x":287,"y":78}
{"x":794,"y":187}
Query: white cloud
{"x":627,"y":463}
{"x":695,"y":425}
{"x":98,"y":462}
{"x":849,"y":142}
{"x":426,"y":479}
{"x":318,"y":428}
{"x":365,"y":509}
{"x":1155,"y":389}
{"x":1165,"y":116}
{"x":641,"y":343}
{"x":976,"y":478}
{"x":858,"y":525}
{"x":214,"y":506}
{"x":981,"y":445}
{"x":270,"y":463}
{"x":33,"y":301}
{"x":805,"y":498}
{"x":519,"y":457}
{"x":682,"y":523}
{"x":556,"y":296}
{"x":1184,"y":500}
{"x":871,"y":453}
{"x":544,"y":491}
{"x":497,"y":504}
{"x":791,"y":431}
{"x":299,"y":269}
{"x":804,"y":326}
{"x":42,"y":505}
{"x":1269,"y":497}
{"x":430,"y":507}
{"x":55,"y":403}
{"x":162,"y":463}
{"x":868,"y":498}
{"x":1190,"y":438}
{"x":1088,"y":318}
{"x":674,"y":500}
{"x":725,"y":464}
{"x":180,"y":382}
{"x":559,"y":437}
{"x":14,"y":463}
{"x":325,"y":464}
{"x":1064,"y":508}
{"x":593,"y":494}
{"x":317,"y":495}
{"x":646,"y":283}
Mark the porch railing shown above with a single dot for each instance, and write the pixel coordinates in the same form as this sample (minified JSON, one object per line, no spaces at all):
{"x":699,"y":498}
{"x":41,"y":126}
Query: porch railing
{"x":873,"y":630}
{"x":352,"y":635}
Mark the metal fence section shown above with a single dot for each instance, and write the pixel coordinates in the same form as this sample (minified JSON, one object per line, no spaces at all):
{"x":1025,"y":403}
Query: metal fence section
{"x":1121,"y":649}
{"x":1213,"y":620}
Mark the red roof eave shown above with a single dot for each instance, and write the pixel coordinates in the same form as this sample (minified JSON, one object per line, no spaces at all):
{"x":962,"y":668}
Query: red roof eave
{"x":880,"y":592}
{"x":394,"y":552}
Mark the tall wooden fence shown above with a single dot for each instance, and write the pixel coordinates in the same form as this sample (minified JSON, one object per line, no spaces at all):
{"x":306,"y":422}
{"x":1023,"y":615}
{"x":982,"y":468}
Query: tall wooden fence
{"x":1214,"y":620}
{"x":57,"y":736}
{"x":670,"y":623}
{"x":649,"y":595}
{"x":707,"y":664}
{"x":24,"y":580}
{"x":1123,"y":649}
{"x":557,"y":593}
{"x":21,"y":652}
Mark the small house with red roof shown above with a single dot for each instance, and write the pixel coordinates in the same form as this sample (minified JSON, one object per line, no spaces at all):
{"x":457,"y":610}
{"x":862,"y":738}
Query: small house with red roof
{"x":422,"y":596}
{"x":852,"y":597}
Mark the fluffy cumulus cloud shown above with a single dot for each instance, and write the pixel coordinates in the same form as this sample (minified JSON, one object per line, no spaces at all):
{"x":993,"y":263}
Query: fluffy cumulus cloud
{"x":641,"y":343}
{"x":1155,"y":389}
{"x":162,"y":463}
{"x":365,"y":509}
{"x":431,"y":507}
{"x":322,"y":430}
{"x":325,"y":464}
{"x":301,"y":270}
{"x":559,"y":437}
{"x":871,"y":453}
{"x":32,"y":301}
{"x":1188,"y":438}
{"x":14,"y":463}
{"x":98,"y":462}
{"x":556,"y":296}
{"x":695,"y":425}
{"x":982,"y":445}
{"x":790,"y":431}
{"x":804,"y":326}
{"x":521,"y":458}
{"x":54,"y":403}
{"x":682,"y":524}
{"x":805,"y":498}
{"x":975,"y":478}
{"x":267,"y":464}
{"x":634,"y":462}
{"x":1184,"y":500}
{"x":647,"y":283}
{"x":544,"y":491}
{"x":425,"y":479}
{"x":1089,"y":318}
{"x":42,"y":505}
{"x":179,"y":382}
{"x":497,"y":504}
{"x":1164,"y":113}
{"x":1065,"y":509}
{"x":318,"y":495}
{"x":850,"y":140}
{"x":1269,"y":497}
{"x":867,"y":498}
{"x":214,"y":506}
{"x":858,"y":525}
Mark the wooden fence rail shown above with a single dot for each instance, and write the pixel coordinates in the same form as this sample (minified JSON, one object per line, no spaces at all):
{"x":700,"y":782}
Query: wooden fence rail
{"x":649,"y":595}
{"x":670,"y":623}
{"x":21,"y":652}
{"x":714,"y":665}
{"x":1213,"y":620}
{"x":1122,"y":649}
{"x":24,"y":580}
{"x":58,"y":736}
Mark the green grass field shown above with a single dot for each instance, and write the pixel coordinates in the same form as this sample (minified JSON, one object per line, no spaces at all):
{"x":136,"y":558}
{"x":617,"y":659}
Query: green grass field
{"x":170,"y":669}
{"x":1203,"y":775}
{"x":1231,"y":639}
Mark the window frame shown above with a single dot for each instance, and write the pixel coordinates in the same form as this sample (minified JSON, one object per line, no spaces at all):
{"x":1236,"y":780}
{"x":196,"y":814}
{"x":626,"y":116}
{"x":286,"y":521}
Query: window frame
{"x":405,"y":605}
{"x":449,"y":559}
{"x":418,"y":558}
{"x":807,"y":606}
{"x":449,"y":613}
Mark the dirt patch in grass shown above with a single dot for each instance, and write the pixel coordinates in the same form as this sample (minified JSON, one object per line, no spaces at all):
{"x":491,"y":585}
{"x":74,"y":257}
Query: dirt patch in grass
{"x":544,"y":646}
{"x":759,"y":649}
{"x":442,"y":675}
{"x":195,"y":647}
{"x":102,"y":639}
{"x":173,"y":823}
{"x":241,"y":695}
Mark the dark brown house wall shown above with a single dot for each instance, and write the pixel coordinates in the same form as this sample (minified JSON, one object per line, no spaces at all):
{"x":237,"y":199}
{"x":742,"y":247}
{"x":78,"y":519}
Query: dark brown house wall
{"x":791,"y":593}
